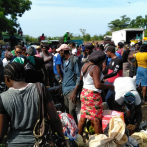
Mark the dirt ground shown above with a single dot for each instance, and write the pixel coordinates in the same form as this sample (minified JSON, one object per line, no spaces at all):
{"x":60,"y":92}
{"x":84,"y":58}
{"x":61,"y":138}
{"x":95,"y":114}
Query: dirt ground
{"x":144,"y":112}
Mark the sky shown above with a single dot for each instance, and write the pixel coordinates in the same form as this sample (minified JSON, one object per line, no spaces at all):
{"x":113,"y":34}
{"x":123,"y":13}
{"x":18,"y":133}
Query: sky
{"x":55,"y":17}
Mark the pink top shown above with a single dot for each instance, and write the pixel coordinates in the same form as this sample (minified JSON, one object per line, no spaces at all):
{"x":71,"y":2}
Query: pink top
{"x":119,"y":51}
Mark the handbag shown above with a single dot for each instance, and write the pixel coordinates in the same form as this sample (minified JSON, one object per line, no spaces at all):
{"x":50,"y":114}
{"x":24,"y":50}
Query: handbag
{"x":44,"y":136}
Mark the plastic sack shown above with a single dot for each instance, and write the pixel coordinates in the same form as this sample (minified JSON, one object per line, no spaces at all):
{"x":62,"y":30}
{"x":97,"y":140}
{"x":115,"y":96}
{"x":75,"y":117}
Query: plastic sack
{"x":79,"y":141}
{"x":131,"y":143}
{"x":141,"y":138}
{"x":107,"y":115}
{"x":116,"y":137}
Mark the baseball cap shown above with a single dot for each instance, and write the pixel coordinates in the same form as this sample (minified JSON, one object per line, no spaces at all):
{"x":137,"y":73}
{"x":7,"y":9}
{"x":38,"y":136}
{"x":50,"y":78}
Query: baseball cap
{"x":38,"y":47}
{"x":63,"y":47}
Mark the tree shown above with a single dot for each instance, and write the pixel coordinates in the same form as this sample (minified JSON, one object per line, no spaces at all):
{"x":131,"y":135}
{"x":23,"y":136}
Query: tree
{"x":31,"y":39}
{"x":119,"y":23}
{"x":13,"y":9}
{"x":87,"y":37}
{"x":83,"y":31}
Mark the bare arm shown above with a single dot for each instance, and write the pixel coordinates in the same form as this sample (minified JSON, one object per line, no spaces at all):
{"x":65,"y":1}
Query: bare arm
{"x":47,"y":59}
{"x":4,"y":121}
{"x":58,"y":67}
{"x":96,"y":78}
{"x":54,"y":118}
{"x":131,"y":55}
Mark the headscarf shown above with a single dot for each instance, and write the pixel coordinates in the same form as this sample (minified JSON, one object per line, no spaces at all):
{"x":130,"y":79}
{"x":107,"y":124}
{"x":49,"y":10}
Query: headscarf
{"x":97,"y":56}
{"x":30,"y":51}
{"x":19,"y":60}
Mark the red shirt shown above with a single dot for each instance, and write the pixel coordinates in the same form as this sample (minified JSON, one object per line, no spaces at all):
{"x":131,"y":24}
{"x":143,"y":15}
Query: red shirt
{"x":42,"y":38}
{"x":78,"y":52}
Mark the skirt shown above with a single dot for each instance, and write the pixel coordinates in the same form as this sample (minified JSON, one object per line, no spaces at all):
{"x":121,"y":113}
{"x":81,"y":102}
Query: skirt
{"x":91,"y":104}
{"x":141,"y":77}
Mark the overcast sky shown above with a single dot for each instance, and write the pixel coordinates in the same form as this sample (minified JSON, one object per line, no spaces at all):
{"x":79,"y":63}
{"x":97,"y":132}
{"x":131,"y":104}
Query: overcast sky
{"x":55,"y":17}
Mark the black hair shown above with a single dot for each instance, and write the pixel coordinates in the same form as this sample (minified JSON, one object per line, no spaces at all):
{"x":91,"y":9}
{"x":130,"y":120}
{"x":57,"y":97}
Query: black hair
{"x":15,"y":71}
{"x":101,"y":47}
{"x":89,"y":46}
{"x":121,"y":44}
{"x":73,"y":44}
{"x":111,"y":49}
{"x":137,"y":43}
{"x":46,"y":51}
{"x":143,"y":48}
{"x":66,"y":52}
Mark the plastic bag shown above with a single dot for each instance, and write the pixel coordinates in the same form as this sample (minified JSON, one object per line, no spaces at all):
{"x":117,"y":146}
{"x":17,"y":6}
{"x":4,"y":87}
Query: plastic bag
{"x":141,"y":138}
{"x":116,"y":135}
{"x":107,"y":115}
{"x":79,"y":141}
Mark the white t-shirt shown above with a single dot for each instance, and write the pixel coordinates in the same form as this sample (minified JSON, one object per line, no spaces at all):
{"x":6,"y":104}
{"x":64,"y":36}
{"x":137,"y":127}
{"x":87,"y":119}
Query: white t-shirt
{"x":74,"y":51}
{"x":5,"y":62}
{"x":122,"y":86}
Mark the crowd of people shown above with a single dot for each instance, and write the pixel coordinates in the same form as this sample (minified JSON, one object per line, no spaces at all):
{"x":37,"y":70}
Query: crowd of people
{"x":98,"y":73}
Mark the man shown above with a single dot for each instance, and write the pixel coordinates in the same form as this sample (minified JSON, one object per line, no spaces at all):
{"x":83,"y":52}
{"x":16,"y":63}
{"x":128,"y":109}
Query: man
{"x":38,"y":74}
{"x":132,"y":61}
{"x":74,"y":50}
{"x":20,"y":31}
{"x":125,"y":92}
{"x":71,"y":80}
{"x":3,"y":52}
{"x":17,"y":52}
{"x":109,"y":59}
{"x":58,"y":64}
{"x":66,"y":37}
{"x":113,"y":71}
{"x":13,"y":41}
{"x":41,"y":38}
{"x":54,"y":50}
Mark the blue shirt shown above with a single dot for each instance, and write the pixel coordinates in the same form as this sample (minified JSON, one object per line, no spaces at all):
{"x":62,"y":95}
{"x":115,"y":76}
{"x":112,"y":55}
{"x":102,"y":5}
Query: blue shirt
{"x":109,"y":59}
{"x":3,"y":55}
{"x":69,"y":74}
{"x":57,"y":60}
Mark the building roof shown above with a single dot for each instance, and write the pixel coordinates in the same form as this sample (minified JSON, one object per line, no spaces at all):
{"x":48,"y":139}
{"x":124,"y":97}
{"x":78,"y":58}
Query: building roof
{"x":131,"y":29}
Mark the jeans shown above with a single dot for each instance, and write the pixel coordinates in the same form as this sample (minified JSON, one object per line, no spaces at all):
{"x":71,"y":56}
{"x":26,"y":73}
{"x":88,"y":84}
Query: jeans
{"x":110,"y":98}
{"x":69,"y":106}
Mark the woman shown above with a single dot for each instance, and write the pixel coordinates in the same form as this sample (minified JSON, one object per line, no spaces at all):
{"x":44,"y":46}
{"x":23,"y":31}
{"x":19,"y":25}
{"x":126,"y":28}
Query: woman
{"x":19,"y":108}
{"x":120,"y":48}
{"x":24,"y":51}
{"x":7,"y":59}
{"x":91,"y":101}
{"x":132,"y":61}
{"x":141,"y":77}
{"x":126,"y":64}
{"x":38,"y":51}
{"x":48,"y":59}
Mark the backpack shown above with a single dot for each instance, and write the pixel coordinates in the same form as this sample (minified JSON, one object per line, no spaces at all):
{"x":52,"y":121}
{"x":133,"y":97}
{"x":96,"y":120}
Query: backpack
{"x":73,"y":60}
{"x":32,"y":75}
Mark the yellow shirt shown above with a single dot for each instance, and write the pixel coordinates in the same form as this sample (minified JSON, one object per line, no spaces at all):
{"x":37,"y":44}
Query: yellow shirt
{"x":141,"y":58}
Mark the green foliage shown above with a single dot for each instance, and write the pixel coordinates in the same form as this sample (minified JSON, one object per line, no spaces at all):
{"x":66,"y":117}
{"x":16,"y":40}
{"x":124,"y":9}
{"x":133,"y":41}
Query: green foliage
{"x":87,"y":37}
{"x":145,"y":35}
{"x":126,"y":22}
{"x":119,"y":24}
{"x":13,"y":9}
{"x":31,"y":39}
